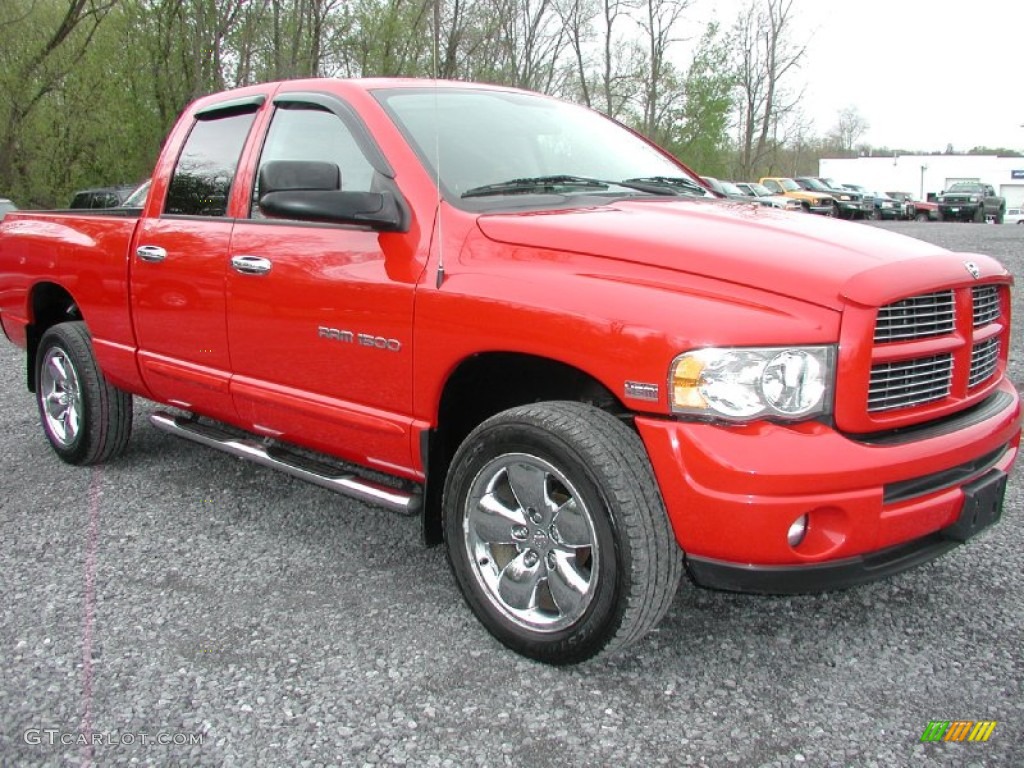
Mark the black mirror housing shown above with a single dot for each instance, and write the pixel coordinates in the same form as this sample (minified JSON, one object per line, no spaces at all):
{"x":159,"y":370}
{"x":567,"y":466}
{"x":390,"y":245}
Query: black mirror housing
{"x":378,"y":210}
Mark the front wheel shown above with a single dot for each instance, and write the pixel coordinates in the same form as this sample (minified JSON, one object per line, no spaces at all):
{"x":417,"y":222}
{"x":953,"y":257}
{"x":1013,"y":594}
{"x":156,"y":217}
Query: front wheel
{"x":86,"y":419}
{"x":556,"y":532}
{"x":921,"y":216}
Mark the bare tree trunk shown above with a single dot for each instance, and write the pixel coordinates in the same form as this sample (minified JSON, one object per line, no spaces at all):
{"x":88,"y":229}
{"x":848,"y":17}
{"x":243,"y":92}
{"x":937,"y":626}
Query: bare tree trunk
{"x":766,"y":56}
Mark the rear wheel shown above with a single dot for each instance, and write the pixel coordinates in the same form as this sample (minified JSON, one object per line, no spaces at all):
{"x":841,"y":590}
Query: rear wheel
{"x":921,"y":216}
{"x":999,"y":216}
{"x":979,"y":215}
{"x":556,"y":532}
{"x":86,"y":419}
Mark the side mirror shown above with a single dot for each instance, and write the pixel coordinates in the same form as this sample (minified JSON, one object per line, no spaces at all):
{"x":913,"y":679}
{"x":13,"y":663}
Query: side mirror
{"x":311,"y":191}
{"x":378,"y":210}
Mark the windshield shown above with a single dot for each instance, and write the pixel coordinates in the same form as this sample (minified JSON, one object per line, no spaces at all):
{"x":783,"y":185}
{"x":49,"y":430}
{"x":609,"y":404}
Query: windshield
{"x":816,"y":185}
{"x":760,"y":190}
{"x":965,"y":186}
{"x":731,"y":189}
{"x":6,"y":206}
{"x":477,"y":140}
{"x":789,"y":185}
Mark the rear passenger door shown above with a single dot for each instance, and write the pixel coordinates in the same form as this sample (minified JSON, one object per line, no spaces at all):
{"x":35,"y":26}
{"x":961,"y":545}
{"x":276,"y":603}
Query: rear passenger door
{"x":319,"y":315}
{"x":179,"y":266}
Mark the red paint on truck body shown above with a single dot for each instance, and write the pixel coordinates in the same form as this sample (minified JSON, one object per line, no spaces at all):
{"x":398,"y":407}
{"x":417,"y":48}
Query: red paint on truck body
{"x":347,"y":344}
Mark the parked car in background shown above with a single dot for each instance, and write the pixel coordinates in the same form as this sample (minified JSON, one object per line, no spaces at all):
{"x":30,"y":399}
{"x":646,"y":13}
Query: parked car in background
{"x":971,"y":201}
{"x":6,"y":206}
{"x":766,"y":197}
{"x":725,"y":189}
{"x":137,"y":199}
{"x":915,"y":209}
{"x":886,"y":207}
{"x":101,"y":197}
{"x":849,"y":204}
{"x":867,"y":194}
{"x":815,"y":202}
{"x":1014,"y":216}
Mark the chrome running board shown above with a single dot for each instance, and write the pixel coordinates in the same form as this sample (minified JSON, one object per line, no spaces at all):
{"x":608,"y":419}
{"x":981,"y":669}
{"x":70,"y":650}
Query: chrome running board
{"x":294,"y":464}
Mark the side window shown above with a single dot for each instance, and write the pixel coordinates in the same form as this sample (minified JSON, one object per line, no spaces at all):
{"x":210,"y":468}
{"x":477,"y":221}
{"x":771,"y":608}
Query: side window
{"x":308,"y":132}
{"x":206,"y":167}
{"x":773,"y":186}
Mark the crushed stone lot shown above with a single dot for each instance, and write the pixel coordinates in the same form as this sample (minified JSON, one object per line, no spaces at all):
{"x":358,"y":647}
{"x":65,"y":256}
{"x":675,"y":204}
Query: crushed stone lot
{"x":191,"y":609}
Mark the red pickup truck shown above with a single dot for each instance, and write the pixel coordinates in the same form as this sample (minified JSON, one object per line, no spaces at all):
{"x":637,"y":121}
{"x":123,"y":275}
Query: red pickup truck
{"x":524,"y":323}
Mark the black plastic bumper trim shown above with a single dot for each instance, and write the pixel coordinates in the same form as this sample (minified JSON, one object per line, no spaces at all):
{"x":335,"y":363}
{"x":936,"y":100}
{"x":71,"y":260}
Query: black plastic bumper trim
{"x":940,"y":481}
{"x":817,"y":577}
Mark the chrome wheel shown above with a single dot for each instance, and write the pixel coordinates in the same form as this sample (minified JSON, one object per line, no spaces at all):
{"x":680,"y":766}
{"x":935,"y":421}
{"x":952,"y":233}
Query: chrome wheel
{"x":61,"y":396}
{"x":530,"y":542}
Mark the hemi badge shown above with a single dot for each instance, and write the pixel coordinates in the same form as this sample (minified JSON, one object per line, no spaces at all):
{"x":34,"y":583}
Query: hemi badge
{"x":972,"y":268}
{"x":638,"y":390}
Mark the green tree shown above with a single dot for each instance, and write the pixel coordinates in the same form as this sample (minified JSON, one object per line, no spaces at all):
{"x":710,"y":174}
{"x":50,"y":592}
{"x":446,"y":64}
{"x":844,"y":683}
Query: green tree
{"x":699,"y":131}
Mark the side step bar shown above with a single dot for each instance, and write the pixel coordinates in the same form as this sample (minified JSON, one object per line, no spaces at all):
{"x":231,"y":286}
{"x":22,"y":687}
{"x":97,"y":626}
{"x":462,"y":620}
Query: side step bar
{"x":296,"y":465}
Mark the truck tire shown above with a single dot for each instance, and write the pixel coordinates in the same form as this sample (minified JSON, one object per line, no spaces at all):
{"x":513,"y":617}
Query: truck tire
{"x":921,"y":216}
{"x":979,"y":215}
{"x":556,"y":532}
{"x":999,"y":216}
{"x":86,"y":419}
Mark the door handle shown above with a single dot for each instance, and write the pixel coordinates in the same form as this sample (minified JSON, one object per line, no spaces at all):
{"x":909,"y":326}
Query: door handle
{"x":151,"y":253}
{"x":251,"y":265}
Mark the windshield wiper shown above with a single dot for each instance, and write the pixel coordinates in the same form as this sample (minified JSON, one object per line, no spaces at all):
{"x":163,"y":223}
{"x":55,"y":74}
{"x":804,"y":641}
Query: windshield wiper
{"x":536,"y":184}
{"x":673,"y":182}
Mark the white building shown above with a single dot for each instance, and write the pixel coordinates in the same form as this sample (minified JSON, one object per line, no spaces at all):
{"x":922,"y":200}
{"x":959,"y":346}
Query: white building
{"x":924,"y":174}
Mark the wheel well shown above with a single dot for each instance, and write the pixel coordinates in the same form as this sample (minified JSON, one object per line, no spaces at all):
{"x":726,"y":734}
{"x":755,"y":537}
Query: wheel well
{"x":485,"y":385}
{"x":50,"y":304}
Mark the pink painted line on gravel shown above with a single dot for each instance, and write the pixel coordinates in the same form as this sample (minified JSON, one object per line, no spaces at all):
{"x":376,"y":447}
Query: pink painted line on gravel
{"x":89,"y":611}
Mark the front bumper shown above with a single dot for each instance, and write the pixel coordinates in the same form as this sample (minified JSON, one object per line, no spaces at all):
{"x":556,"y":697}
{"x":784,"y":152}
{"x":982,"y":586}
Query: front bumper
{"x":803,"y":579}
{"x":825,"y":210}
{"x":732,"y":494}
{"x":959,"y":210}
{"x":851,"y":208}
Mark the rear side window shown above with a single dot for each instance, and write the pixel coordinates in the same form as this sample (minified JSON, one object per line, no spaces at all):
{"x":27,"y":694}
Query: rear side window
{"x":202,"y":179}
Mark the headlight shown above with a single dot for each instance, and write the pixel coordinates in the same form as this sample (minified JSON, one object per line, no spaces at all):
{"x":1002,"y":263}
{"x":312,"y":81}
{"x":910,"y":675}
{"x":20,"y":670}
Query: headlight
{"x":742,"y":384}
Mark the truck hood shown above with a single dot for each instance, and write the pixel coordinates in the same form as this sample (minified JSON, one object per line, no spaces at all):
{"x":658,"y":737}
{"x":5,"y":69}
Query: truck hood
{"x":803,"y":256}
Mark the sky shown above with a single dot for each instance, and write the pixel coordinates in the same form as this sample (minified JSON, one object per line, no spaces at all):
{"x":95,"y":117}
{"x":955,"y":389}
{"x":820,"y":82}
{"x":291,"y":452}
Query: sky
{"x":923,"y":74}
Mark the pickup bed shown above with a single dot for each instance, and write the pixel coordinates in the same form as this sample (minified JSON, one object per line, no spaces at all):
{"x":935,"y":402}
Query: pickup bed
{"x":584,"y":373}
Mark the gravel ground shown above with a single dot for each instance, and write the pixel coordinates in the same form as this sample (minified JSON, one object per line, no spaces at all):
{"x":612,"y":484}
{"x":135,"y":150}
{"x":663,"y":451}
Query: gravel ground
{"x":180,"y":593}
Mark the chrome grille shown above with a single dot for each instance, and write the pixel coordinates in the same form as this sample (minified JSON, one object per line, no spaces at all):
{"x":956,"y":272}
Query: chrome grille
{"x":986,"y":304}
{"x":908,"y":383}
{"x":984,"y":358}
{"x":919,"y":317}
